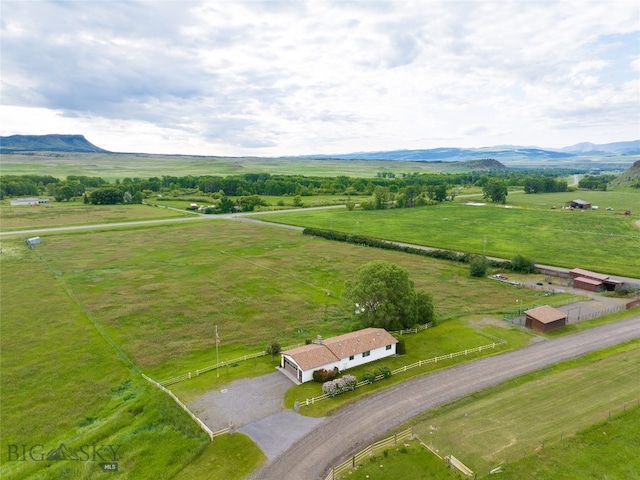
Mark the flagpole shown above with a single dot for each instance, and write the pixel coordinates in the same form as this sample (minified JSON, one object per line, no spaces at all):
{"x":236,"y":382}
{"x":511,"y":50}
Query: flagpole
{"x":217,"y":360}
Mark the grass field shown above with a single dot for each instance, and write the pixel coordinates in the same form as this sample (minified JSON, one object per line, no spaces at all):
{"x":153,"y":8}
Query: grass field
{"x":160,"y":291}
{"x":601,"y":241}
{"x":62,"y":383}
{"x":57,"y":214}
{"x":112,"y":167}
{"x":512,"y":421}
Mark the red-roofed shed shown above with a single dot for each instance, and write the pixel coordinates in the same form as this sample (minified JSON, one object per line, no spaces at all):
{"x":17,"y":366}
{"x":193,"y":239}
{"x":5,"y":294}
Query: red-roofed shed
{"x":544,"y":319}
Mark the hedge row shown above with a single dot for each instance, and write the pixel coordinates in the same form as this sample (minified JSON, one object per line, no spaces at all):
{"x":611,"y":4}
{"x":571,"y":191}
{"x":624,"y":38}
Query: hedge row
{"x":386,"y":245}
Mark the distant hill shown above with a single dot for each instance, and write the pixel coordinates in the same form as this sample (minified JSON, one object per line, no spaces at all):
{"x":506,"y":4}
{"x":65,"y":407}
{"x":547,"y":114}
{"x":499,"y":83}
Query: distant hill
{"x":628,"y":178}
{"x":486,"y":164}
{"x":624,"y":148}
{"x":48,"y":143}
{"x":452,"y":154}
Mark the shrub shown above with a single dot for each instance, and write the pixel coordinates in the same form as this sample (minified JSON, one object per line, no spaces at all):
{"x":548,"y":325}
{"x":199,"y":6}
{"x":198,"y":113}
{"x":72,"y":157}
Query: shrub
{"x":369,"y":377}
{"x":478,"y":267}
{"x":385,"y":372}
{"x":401,"y":348}
{"x":323,"y":375}
{"x":340,"y":385}
{"x":273,"y":348}
{"x":520,"y":263}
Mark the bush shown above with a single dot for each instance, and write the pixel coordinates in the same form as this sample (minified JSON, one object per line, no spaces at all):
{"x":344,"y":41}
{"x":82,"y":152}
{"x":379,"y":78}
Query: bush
{"x":520,"y":263}
{"x":273,"y":348}
{"x":401,"y":348}
{"x":478,"y":266}
{"x":340,"y":385}
{"x":323,"y":375}
{"x":369,"y":377}
{"x":385,"y":372}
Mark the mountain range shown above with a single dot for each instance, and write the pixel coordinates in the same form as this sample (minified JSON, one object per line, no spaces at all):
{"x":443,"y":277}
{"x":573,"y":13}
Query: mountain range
{"x":79,"y":144}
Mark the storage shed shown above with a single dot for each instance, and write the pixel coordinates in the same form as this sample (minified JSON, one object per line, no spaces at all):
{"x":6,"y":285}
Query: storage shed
{"x":592,"y":281}
{"x":544,"y":319}
{"x":580,"y":204}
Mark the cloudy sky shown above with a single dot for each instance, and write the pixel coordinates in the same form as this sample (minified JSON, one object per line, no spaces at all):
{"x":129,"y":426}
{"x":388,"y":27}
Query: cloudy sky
{"x":295,"y":77}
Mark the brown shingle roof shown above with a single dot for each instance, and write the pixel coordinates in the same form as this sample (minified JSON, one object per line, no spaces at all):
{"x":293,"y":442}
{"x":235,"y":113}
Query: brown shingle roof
{"x":360,"y":341}
{"x":586,"y":273}
{"x":546,"y":314}
{"x":590,"y":281}
{"x":335,"y":348}
{"x":311,"y":356}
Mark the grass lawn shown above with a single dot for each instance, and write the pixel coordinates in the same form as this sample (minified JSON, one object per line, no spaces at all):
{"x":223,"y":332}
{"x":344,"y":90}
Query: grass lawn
{"x":63,"y":214}
{"x":597,"y":240}
{"x":512,"y":421}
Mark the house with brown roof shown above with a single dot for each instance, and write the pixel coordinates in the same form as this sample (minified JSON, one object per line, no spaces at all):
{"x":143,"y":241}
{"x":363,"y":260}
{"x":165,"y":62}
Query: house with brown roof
{"x":341,"y":352}
{"x":544,"y":319}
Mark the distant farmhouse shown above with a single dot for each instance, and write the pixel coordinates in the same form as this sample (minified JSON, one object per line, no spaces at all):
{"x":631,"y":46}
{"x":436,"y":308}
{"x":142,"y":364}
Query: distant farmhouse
{"x":341,"y":352}
{"x":29,"y":201}
{"x":544,"y":319}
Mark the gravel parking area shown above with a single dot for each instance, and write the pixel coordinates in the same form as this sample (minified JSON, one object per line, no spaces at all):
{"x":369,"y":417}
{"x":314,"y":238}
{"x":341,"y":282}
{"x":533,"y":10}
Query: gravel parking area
{"x":242,"y":402}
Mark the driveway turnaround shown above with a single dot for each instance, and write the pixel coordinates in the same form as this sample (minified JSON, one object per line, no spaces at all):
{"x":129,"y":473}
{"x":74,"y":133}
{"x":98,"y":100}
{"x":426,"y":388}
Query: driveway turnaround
{"x":359,"y":424}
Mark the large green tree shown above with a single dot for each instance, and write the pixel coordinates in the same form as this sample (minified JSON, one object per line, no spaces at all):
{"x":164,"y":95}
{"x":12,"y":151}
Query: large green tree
{"x":495,"y":190}
{"x":384,"y":296}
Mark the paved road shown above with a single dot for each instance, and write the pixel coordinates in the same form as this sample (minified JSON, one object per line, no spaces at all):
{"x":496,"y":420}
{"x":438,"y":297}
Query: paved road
{"x":359,"y":424}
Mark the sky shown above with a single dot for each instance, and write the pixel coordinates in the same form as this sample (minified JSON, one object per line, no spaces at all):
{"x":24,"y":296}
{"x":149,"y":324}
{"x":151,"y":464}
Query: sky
{"x":276,"y":78}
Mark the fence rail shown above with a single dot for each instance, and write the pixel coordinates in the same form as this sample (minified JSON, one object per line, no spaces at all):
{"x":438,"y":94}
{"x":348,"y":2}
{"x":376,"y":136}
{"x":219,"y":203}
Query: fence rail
{"x":419,"y":363}
{"x":200,"y":423}
{"x":372,"y":449}
{"x":417,"y":329}
{"x":224,"y":363}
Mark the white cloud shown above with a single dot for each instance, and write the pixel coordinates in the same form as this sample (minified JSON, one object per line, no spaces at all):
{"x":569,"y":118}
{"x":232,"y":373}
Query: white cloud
{"x":277,"y":77}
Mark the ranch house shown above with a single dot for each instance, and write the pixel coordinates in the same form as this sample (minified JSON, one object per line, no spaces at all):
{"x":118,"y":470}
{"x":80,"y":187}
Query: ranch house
{"x":544,"y":319}
{"x":341,"y":352}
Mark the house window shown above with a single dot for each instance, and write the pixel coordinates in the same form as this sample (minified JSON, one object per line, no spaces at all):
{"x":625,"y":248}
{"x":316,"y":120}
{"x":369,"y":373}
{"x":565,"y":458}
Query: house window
{"x":388,"y":347}
{"x":351,"y":357}
{"x":366,"y":354}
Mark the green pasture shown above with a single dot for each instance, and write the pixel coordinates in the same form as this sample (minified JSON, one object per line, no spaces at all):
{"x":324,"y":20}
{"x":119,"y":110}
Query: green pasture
{"x":604,"y":450}
{"x":619,"y":200}
{"x":602,"y":241}
{"x":409,"y":461}
{"x":63,"y":383}
{"x":131,"y":165}
{"x":160,"y":291}
{"x":61,"y":214}
{"x":516,"y":419}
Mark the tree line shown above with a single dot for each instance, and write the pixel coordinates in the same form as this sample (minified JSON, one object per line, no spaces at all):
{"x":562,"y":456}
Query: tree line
{"x":407,"y":190}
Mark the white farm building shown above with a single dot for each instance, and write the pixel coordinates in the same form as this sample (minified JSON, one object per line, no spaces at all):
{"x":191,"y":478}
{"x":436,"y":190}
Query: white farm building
{"x":342,"y":352}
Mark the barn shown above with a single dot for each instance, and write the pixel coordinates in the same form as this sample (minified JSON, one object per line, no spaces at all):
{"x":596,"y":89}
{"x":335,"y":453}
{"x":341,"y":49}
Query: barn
{"x":580,"y":204}
{"x":592,"y":281}
{"x":341,"y":352}
{"x":544,"y":319}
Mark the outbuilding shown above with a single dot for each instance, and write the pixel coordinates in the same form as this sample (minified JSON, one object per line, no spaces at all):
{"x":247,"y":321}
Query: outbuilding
{"x":544,"y":319}
{"x":580,"y":204}
{"x":341,"y":352}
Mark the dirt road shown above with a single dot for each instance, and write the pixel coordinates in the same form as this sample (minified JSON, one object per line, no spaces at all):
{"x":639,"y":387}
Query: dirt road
{"x":359,"y":424}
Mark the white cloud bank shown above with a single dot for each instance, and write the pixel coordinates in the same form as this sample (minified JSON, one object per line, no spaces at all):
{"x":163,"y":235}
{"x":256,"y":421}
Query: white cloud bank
{"x":294,"y":77}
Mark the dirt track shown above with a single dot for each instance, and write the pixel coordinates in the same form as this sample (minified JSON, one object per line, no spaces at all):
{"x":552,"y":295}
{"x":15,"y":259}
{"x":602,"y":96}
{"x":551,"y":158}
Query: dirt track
{"x":359,"y":424}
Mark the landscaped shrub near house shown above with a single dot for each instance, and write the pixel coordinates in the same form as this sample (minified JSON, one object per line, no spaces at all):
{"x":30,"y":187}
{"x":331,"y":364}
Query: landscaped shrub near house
{"x":323,"y":375}
{"x":401,"y":348}
{"x":339,"y":385}
{"x":369,"y":377}
{"x":385,"y":372}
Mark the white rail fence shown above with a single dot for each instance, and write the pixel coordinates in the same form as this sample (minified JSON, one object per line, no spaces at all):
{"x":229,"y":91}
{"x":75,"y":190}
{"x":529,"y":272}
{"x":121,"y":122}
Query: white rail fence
{"x":371,"y":450}
{"x":417,"y":329}
{"x":419,"y":363}
{"x":224,"y":363}
{"x":200,"y":423}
